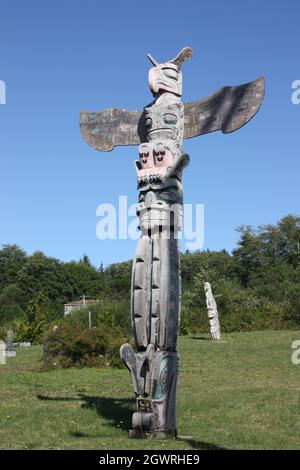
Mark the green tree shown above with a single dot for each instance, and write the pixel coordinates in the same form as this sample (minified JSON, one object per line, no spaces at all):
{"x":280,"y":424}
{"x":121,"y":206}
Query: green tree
{"x":12,"y":260}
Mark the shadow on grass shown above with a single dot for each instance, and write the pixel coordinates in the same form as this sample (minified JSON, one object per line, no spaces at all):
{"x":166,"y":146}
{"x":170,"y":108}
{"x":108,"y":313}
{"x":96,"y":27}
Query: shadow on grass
{"x":80,"y":435}
{"x":201,"y":338}
{"x":49,"y":398}
{"x":118,"y":413}
{"x":194,"y":444}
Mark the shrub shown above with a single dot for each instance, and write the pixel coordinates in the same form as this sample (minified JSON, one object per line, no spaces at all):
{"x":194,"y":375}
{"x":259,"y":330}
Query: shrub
{"x":239,"y":309}
{"x":73,"y":345}
{"x":111,"y":312}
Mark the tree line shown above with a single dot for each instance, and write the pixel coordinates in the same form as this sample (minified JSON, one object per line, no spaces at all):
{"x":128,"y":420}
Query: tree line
{"x":257,"y":286}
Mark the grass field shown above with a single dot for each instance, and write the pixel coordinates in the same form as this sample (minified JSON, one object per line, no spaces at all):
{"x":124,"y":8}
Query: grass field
{"x":243,"y":393}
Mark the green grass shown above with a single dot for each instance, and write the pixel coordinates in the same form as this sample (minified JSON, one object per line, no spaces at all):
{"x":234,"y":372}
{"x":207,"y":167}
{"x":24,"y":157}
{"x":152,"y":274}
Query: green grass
{"x":243,"y":393}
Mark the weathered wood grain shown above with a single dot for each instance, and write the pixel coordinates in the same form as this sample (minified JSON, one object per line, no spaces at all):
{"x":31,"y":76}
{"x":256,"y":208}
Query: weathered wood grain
{"x":228,"y":109}
{"x":114,"y":126}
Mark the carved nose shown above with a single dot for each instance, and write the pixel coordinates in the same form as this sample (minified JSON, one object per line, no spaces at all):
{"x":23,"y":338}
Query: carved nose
{"x":150,"y":199}
{"x":159,"y":152}
{"x":159,"y":149}
{"x":144,"y":155}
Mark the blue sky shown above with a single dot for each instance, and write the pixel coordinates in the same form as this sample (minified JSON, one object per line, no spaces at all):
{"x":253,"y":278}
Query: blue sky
{"x":62,"y":56}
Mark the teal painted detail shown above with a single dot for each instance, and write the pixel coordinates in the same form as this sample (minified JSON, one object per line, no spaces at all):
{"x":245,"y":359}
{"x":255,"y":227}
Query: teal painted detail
{"x":163,"y":381}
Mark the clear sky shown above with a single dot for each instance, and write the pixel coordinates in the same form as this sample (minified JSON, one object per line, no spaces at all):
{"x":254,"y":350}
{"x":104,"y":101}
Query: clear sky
{"x":57,"y":57}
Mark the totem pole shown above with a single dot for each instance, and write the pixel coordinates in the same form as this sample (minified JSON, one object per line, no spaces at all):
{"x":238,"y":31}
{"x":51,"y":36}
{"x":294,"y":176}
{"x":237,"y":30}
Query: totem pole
{"x":2,"y":352}
{"x":159,"y":130}
{"x":212,"y":312}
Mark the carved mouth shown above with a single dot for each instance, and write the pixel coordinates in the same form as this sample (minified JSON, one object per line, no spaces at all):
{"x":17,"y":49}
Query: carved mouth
{"x":159,"y":129}
{"x":164,"y":84}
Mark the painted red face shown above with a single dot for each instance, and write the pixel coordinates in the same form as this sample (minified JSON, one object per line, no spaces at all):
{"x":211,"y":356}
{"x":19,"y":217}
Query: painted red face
{"x":146,"y":156}
{"x":162,"y":156}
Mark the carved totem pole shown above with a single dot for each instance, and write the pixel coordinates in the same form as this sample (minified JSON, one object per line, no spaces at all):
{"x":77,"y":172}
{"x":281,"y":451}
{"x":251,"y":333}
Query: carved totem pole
{"x":159,"y":130}
{"x":212,"y":312}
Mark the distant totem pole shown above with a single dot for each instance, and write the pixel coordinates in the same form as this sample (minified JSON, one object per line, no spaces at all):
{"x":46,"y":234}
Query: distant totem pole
{"x":2,"y":352}
{"x":212,"y":312}
{"x":159,"y":130}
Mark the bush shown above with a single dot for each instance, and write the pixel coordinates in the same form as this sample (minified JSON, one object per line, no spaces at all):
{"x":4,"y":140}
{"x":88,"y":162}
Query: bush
{"x":73,"y":345}
{"x":239,"y":309}
{"x":11,"y":312}
{"x":111,"y":312}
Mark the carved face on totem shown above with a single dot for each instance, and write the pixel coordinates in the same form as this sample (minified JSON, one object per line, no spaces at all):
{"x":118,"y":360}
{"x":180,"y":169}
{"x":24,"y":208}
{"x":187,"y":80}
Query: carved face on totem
{"x":160,"y":203}
{"x":165,"y":78}
{"x":164,"y":122}
{"x":160,"y":208}
{"x":155,"y":158}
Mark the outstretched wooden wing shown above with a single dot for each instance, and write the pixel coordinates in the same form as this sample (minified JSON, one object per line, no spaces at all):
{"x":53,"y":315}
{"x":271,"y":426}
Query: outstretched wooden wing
{"x":105,"y":129}
{"x":227,"y":109}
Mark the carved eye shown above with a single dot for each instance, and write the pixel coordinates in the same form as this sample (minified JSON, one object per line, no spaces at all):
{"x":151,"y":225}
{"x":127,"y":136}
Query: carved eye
{"x":170,"y":73}
{"x":144,"y":156}
{"x":168,"y":196}
{"x":159,"y":149}
{"x":170,"y":119}
{"x":148,"y":122}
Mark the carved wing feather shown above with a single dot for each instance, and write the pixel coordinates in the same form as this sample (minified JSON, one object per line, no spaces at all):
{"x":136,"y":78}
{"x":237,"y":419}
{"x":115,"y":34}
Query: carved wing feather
{"x":105,"y":129}
{"x":228,"y":109}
